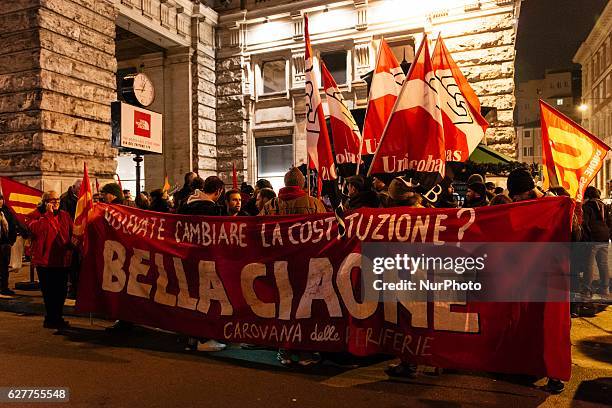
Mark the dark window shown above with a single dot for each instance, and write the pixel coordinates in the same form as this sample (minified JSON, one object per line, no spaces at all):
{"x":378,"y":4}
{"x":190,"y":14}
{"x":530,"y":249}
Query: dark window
{"x":336,"y":64}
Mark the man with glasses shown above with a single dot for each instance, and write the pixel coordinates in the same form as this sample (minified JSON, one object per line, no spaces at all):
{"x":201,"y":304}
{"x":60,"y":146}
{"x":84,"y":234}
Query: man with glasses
{"x":51,"y":230}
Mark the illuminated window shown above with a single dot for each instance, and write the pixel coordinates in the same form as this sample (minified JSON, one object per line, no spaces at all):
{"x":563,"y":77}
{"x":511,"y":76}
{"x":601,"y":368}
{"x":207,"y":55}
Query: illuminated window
{"x":336,"y":64}
{"x":274,"y":78}
{"x":560,"y":102}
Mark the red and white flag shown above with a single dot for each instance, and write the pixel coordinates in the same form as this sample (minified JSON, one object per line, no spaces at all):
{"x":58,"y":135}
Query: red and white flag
{"x":317,"y":140}
{"x":384,"y":89}
{"x":464,"y":126}
{"x":346,"y":134}
{"x":414,"y":136}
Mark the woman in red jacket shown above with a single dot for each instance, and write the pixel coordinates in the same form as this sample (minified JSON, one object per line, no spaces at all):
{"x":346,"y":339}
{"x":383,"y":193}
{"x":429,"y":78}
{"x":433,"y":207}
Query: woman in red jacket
{"x":51,"y":231}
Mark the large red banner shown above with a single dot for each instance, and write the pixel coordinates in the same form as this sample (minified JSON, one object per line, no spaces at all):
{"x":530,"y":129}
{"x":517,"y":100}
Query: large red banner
{"x":290,"y":282}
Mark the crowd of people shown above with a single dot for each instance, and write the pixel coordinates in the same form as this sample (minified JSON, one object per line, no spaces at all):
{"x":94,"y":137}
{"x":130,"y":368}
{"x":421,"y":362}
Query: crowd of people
{"x":57,"y":261}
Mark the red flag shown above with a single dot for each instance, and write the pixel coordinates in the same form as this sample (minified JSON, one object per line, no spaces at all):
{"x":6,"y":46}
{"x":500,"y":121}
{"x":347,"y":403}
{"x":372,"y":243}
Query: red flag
{"x":414,"y":136}
{"x":571,"y":155}
{"x":347,"y":138}
{"x":234,"y":176}
{"x":20,"y":198}
{"x":84,"y":204}
{"x":317,"y":140}
{"x":464,"y":126}
{"x":386,"y":85}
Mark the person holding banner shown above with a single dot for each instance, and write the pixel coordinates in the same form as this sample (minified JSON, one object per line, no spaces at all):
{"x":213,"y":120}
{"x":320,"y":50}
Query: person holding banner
{"x":595,"y":225}
{"x":52,"y":249}
{"x":8,"y":236}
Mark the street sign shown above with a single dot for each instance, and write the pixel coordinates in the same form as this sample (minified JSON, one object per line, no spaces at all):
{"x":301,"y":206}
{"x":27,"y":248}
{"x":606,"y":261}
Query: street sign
{"x":136,"y":129}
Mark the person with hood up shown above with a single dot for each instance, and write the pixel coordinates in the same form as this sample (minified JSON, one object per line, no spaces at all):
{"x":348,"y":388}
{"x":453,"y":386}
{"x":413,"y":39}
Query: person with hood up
{"x":204,"y":201}
{"x":292,"y":199}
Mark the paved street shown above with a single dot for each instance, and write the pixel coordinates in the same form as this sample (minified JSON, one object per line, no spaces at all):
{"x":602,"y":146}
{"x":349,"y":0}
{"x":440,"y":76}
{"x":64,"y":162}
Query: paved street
{"x":149,"y":368}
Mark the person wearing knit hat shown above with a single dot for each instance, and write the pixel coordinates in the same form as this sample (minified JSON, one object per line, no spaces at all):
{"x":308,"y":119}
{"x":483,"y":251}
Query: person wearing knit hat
{"x":403,"y":193}
{"x":521,"y":185}
{"x":294,"y":178}
{"x":476,"y":195}
{"x":475,"y":178}
{"x":112,"y":193}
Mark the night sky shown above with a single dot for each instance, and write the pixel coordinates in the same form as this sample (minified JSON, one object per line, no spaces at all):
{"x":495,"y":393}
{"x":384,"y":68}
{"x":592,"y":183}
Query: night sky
{"x":550,"y":32}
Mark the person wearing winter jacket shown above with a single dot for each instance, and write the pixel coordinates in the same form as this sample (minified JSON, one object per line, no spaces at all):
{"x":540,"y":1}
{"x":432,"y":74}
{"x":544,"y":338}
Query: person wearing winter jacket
{"x":293,"y":199}
{"x":8,"y":236}
{"x":595,"y":228}
{"x":51,"y":230}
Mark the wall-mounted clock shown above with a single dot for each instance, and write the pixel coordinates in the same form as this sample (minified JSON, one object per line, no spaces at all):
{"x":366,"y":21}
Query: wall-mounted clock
{"x":138,"y":89}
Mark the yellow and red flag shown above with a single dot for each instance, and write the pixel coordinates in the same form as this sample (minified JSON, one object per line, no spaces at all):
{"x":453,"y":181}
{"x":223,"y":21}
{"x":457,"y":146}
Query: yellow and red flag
{"x":21,"y":198}
{"x":166,"y":188}
{"x":571,"y":155}
{"x":84,"y":204}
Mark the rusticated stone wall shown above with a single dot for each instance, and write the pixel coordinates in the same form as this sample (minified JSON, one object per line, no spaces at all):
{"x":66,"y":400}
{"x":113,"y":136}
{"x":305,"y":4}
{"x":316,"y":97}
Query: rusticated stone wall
{"x":204,"y":109}
{"x":57,"y":80}
{"x":484,"y":50}
{"x":232,"y":119}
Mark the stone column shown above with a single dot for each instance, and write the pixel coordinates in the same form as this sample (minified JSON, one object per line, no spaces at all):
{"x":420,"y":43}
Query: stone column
{"x":204,"y":98}
{"x":232,"y":119}
{"x":57,"y":80}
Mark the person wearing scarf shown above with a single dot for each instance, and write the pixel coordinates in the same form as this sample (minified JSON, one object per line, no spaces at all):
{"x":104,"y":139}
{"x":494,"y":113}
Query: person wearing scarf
{"x":292,"y":199}
{"x":52,"y":252}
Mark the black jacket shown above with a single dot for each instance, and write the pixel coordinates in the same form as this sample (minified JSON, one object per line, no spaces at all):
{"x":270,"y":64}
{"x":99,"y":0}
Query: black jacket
{"x":11,"y":236}
{"x":160,"y":206}
{"x":180,"y":197}
{"x":595,"y":221}
{"x":251,"y":207}
{"x":367,"y":199}
{"x":481,"y":202}
{"x":68,"y":202}
{"x":200,"y":206}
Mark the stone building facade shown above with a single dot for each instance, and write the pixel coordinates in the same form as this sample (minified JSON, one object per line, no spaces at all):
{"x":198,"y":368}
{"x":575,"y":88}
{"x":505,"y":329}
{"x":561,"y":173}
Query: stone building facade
{"x":228,"y":75}
{"x":259,"y":105}
{"x":595,"y":57}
